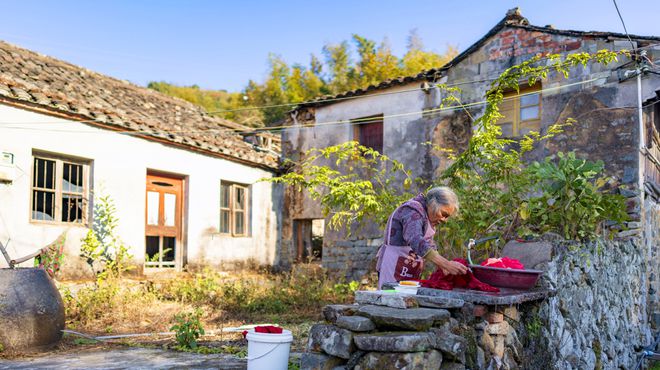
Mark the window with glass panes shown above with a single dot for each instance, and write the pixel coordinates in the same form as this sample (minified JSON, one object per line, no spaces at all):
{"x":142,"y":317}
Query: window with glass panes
{"x":59,"y":190}
{"x":521,"y":111}
{"x":234,"y":209}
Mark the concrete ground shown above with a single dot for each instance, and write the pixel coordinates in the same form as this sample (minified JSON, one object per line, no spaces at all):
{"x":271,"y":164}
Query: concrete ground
{"x":126,"y":358}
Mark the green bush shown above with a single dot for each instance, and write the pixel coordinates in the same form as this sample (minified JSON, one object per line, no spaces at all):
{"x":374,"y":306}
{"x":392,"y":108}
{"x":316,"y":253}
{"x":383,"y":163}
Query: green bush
{"x":571,"y":202}
{"x":188,"y":329}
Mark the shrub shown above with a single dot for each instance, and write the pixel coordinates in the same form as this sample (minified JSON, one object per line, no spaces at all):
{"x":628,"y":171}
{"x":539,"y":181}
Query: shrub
{"x":571,"y":202}
{"x":188,"y":329}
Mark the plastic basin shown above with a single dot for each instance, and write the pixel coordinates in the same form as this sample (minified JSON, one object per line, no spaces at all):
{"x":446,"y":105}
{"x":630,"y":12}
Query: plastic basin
{"x":506,"y":278}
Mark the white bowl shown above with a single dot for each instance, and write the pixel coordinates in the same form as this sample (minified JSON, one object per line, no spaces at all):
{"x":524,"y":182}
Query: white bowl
{"x":408,"y":289}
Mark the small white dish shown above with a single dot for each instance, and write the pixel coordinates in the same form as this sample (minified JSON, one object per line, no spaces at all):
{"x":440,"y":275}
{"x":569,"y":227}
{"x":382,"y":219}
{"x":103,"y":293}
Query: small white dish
{"x":408,"y":289}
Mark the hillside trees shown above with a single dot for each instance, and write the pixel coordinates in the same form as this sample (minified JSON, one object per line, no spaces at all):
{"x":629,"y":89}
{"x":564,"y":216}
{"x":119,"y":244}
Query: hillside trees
{"x":344,"y":66}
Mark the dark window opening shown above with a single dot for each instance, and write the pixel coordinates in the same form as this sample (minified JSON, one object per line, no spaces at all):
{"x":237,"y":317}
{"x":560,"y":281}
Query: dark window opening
{"x":308,"y":239}
{"x":368,"y":131}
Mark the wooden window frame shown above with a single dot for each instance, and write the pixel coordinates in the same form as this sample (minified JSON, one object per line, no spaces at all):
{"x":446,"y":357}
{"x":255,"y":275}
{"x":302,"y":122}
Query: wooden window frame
{"x":58,"y":191}
{"x":514,"y":97}
{"x":357,"y":124}
{"x":233,"y":211}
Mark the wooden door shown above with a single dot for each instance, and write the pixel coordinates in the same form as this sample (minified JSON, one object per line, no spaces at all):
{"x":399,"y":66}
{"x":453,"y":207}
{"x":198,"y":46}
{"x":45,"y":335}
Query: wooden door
{"x":163,"y":222}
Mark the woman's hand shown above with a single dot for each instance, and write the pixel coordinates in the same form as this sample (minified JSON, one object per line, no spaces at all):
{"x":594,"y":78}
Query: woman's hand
{"x":448,"y":267}
{"x":454,"y":268}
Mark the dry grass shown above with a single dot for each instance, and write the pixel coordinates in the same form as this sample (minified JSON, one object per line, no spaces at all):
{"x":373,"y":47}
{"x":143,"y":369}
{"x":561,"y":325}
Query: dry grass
{"x":292,"y":300}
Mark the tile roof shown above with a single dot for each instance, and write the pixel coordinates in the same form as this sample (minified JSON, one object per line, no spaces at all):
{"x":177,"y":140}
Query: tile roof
{"x":513,"y":19}
{"x":52,"y":86}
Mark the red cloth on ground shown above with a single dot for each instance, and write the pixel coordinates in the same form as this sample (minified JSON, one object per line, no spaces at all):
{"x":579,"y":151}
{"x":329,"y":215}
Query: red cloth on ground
{"x":270,"y":329}
{"x":504,"y":262}
{"x":439,"y":280}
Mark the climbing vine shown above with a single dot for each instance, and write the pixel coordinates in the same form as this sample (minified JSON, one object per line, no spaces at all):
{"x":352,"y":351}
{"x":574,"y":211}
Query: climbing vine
{"x":499,"y":191}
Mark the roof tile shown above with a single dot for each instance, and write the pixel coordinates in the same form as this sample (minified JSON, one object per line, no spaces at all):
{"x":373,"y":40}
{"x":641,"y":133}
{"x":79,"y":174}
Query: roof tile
{"x":29,"y":77}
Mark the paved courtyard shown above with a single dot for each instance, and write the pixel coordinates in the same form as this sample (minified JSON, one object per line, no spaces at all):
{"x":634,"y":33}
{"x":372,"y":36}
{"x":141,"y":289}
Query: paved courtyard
{"x":126,"y":358}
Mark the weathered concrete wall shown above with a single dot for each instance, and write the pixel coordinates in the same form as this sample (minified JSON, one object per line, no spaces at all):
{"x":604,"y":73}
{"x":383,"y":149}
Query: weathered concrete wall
{"x":119,"y":169}
{"x":598,"y":317}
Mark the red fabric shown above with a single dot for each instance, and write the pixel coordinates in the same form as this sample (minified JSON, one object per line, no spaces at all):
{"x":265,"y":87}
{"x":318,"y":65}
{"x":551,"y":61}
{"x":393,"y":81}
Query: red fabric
{"x":269,"y":329}
{"x":439,"y":280}
{"x":504,"y":262}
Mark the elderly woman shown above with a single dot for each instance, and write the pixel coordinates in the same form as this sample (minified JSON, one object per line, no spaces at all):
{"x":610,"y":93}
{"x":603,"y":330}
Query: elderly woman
{"x":409,"y":237}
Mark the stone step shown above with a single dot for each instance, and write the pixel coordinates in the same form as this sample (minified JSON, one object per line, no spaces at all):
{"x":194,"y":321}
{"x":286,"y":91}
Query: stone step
{"x":394,"y":342}
{"x":389,"y":299}
{"x":355,"y":323}
{"x":331,"y":340}
{"x":417,"y":319}
{"x":403,"y":300}
{"x":410,"y":361}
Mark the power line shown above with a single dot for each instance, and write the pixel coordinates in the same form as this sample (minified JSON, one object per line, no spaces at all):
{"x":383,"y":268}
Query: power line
{"x":318,"y":100}
{"x":624,"y":25}
{"x":464,"y":82}
{"x":327,"y":123}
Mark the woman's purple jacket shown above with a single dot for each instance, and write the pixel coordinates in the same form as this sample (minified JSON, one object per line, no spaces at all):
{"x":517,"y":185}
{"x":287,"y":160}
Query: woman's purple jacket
{"x":409,"y":227}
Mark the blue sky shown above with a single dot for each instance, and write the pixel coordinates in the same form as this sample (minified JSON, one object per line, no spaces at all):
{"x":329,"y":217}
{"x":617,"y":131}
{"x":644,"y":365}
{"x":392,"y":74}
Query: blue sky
{"x":223,"y":44}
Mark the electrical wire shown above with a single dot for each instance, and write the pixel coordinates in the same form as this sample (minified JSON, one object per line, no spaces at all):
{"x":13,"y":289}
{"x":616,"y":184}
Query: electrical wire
{"x":624,"y":24}
{"x":278,"y":128}
{"x":155,"y":131}
{"x":358,"y":121}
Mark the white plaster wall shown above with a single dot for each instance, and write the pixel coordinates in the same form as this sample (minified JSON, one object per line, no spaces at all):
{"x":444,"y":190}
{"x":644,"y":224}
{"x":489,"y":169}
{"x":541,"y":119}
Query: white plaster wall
{"x":120,"y":164}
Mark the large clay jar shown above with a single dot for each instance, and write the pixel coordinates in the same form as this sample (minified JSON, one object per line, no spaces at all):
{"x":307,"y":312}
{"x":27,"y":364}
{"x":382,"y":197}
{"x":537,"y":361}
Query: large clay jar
{"x":31,"y":310}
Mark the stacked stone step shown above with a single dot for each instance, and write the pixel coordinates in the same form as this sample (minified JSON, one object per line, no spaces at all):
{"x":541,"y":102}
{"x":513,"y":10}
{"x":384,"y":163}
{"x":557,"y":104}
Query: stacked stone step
{"x":379,"y":337}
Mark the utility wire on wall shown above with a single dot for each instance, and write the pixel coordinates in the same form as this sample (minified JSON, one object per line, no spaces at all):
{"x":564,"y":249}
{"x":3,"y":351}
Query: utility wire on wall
{"x":359,"y":121}
{"x":277,"y":128}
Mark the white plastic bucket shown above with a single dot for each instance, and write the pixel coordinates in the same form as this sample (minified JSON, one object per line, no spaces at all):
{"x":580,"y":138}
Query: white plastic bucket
{"x":268,"y":351}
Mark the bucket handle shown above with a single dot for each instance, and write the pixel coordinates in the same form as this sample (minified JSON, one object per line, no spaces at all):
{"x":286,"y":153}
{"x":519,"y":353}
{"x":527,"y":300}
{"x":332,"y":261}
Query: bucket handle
{"x":264,"y":354}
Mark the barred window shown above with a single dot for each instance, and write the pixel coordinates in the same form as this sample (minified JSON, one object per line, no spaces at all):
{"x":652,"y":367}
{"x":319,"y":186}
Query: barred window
{"x":234,"y":209}
{"x":59,"y":190}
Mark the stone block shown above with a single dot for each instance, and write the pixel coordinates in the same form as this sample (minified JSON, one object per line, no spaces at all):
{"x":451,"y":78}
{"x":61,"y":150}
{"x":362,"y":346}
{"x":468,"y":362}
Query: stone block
{"x":479,"y":310}
{"x":529,"y":254}
{"x":501,"y":328}
{"x":380,"y":298}
{"x":439,"y":302}
{"x":499,"y":346}
{"x":452,"y":346}
{"x":355,"y":323}
{"x":417,"y":319}
{"x":487,"y":343}
{"x":355,"y":359}
{"x":452,"y":366}
{"x":403,"y":361}
{"x":331,"y":340}
{"x":511,"y":313}
{"x":319,"y":361}
{"x":394,"y":342}
{"x":494,"y":317}
{"x":333,"y":311}
{"x":628,"y":233}
{"x":505,"y":297}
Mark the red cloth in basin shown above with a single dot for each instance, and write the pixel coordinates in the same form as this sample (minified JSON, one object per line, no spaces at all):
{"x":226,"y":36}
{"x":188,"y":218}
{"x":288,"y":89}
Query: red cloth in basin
{"x":438,"y":280}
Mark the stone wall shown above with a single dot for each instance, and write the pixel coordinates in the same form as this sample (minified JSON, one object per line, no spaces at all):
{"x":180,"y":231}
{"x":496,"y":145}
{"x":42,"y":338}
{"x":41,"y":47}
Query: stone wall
{"x":652,"y":247}
{"x":598,"y":317}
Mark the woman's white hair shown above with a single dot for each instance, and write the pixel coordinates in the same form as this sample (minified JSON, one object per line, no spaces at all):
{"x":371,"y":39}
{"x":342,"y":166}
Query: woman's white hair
{"x":441,"y":196}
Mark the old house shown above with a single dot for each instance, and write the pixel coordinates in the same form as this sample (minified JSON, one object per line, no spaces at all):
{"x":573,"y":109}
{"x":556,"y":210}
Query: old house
{"x":185,"y":184}
{"x":603,"y":100}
